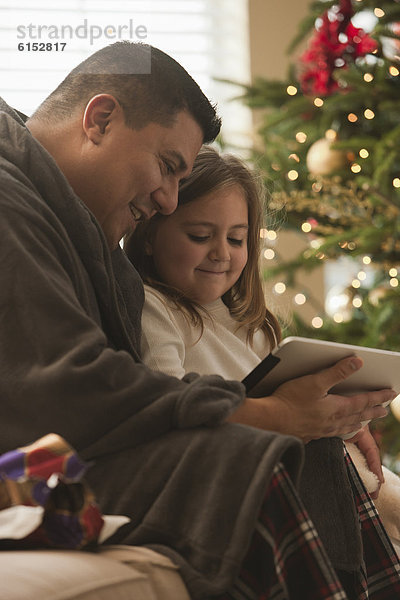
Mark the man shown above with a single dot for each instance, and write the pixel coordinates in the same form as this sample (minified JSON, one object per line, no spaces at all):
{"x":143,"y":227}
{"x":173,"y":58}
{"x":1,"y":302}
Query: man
{"x":106,"y":149}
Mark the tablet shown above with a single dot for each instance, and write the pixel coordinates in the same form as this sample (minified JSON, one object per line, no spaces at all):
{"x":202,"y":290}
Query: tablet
{"x":298,"y":356}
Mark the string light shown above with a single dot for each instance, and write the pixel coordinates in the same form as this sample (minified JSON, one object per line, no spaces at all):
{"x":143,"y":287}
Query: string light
{"x":263,"y":232}
{"x":367,"y":260}
{"x":301,"y":137}
{"x":294,"y":157}
{"x":318,"y":102}
{"x":363,"y":153}
{"x":356,"y":283}
{"x":292,"y":175}
{"x":307,"y":253}
{"x":338,"y":318}
{"x":369,"y":114}
{"x":357,"y":302}
{"x":394,"y":282}
{"x":355,"y":167}
{"x":331,"y":135}
{"x":368,"y":77}
{"x":352,"y":117}
{"x":291,"y":90}
{"x":394,"y":71}
{"x":351,"y":246}
{"x":362,"y":275}
{"x":317,"y":322}
{"x":269,"y":254}
{"x":271,"y":234}
{"x":280,"y":287}
{"x":378,"y":12}
{"x":316,"y":186}
{"x":396,"y":182}
{"x":306,"y":227}
{"x":300,"y":299}
{"x":393,"y":272}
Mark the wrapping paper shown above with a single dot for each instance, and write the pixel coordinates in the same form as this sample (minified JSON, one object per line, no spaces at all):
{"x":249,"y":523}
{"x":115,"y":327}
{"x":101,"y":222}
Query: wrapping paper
{"x":44,"y":500}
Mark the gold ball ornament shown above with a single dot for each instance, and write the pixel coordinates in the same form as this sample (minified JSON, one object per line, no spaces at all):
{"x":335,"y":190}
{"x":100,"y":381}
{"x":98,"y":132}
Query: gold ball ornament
{"x":322,"y":159}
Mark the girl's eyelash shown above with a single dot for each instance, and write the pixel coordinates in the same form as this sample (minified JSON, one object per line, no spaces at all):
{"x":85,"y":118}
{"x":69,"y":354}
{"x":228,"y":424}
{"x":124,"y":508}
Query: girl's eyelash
{"x":204,"y":238}
{"x":198,"y":238}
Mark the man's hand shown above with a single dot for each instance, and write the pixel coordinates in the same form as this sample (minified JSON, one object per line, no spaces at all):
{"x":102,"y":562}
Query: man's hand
{"x":303,"y":407}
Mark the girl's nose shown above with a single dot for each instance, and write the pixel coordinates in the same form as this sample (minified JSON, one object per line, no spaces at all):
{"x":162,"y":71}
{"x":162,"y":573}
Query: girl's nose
{"x":220,"y":251}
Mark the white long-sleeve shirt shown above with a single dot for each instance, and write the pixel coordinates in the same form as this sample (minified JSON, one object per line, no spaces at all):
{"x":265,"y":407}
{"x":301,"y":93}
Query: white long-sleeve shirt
{"x":170,"y":343}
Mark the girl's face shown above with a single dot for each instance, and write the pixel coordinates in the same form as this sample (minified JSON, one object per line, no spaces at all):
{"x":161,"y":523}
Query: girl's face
{"x":201,"y":248}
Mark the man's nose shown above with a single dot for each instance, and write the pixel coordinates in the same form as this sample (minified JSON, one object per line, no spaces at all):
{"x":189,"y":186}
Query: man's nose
{"x":166,"y":197}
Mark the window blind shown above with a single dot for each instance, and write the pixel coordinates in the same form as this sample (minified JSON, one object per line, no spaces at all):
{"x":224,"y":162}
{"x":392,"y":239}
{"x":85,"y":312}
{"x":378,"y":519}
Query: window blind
{"x":41,"y":42}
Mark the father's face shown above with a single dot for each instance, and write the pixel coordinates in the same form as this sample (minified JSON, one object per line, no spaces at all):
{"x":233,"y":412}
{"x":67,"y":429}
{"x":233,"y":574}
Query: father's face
{"x":131,"y":174}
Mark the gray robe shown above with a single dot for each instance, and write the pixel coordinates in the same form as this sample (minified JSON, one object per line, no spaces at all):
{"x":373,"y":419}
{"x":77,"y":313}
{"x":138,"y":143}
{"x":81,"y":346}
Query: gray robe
{"x":69,"y":337}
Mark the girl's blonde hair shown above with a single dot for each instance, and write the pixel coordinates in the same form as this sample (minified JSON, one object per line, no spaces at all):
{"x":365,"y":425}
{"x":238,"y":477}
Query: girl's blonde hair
{"x":245,"y":300}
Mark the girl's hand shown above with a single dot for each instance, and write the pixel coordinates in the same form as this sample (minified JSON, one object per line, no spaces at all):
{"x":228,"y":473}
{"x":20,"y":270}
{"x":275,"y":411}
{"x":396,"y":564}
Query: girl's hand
{"x":367,"y":446}
{"x":302,"y":407}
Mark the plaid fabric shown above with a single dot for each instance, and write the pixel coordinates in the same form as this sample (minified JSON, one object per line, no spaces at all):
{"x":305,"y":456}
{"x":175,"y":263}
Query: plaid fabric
{"x":48,"y":474}
{"x":286,"y":560}
{"x":380,"y":578}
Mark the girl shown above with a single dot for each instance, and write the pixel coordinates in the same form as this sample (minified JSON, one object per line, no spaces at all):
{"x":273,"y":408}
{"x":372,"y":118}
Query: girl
{"x":205,"y":308}
{"x":205,"y":312}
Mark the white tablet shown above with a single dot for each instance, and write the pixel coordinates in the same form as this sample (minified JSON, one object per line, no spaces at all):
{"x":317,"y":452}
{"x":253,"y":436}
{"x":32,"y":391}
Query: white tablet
{"x":297,"y":356}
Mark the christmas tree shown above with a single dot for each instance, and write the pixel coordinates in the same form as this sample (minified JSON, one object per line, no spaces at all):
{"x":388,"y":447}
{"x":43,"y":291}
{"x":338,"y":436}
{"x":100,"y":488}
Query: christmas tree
{"x":331,"y":154}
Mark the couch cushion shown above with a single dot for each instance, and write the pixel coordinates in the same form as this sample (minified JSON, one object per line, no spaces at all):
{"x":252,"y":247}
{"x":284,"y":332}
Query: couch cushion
{"x":162,"y":573}
{"x":67,"y":575}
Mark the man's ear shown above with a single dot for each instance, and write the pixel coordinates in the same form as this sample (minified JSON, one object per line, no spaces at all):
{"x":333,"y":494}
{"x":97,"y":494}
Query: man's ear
{"x":99,"y":112}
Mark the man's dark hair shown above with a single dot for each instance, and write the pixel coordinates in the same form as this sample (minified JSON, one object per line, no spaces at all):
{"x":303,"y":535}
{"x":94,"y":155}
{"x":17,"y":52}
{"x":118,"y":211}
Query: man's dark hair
{"x":150,"y":86}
